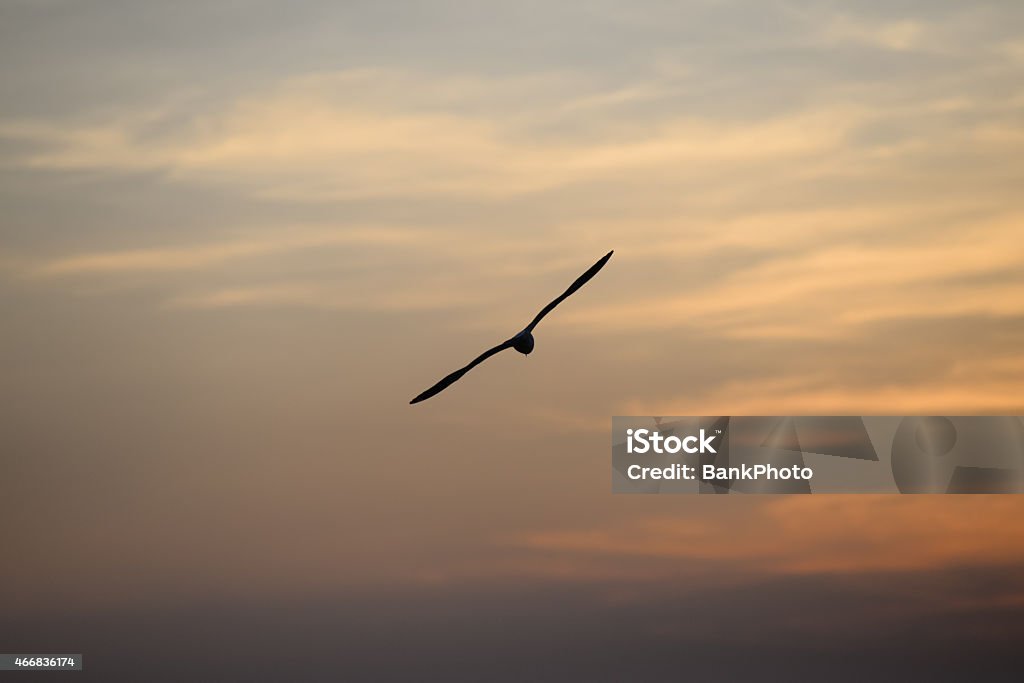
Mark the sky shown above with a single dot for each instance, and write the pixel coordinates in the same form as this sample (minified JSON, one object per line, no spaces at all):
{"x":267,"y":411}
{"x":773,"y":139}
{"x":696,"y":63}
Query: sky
{"x":237,"y":237}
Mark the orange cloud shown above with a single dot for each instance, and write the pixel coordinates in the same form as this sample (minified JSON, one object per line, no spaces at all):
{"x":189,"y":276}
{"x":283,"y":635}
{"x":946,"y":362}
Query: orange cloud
{"x":818,"y":535}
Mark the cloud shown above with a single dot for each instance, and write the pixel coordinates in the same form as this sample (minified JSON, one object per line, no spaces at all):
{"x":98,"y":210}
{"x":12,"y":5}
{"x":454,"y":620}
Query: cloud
{"x":321,"y":295}
{"x":854,"y":204}
{"x":1014,"y":50}
{"x":899,"y":35}
{"x":817,"y":535}
{"x":216,"y":254}
{"x":345,"y":136}
{"x":830,"y":289}
{"x":831,"y":393}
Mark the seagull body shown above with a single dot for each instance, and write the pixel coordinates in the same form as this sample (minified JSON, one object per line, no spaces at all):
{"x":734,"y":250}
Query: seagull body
{"x":522,"y":342}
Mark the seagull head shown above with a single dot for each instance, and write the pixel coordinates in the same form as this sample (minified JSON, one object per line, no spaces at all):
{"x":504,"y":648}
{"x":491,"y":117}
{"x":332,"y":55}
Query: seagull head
{"x":523,"y":342}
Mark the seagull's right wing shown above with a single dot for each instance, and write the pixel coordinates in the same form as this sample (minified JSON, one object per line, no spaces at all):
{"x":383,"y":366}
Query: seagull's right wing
{"x":580,"y":281}
{"x":454,"y":377}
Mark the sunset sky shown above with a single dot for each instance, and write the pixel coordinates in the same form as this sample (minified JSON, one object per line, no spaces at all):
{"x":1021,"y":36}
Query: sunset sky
{"x":237,"y":237}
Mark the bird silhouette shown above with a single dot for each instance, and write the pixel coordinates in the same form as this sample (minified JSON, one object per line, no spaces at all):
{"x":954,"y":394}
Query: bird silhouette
{"x":523,"y":341}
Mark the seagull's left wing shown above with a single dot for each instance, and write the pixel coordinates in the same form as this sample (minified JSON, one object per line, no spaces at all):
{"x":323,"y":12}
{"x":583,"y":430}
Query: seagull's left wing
{"x":454,"y":377}
{"x":580,"y":281}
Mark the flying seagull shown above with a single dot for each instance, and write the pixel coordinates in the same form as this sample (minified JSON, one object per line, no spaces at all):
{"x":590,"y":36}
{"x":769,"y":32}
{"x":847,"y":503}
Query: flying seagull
{"x":522,"y":342}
